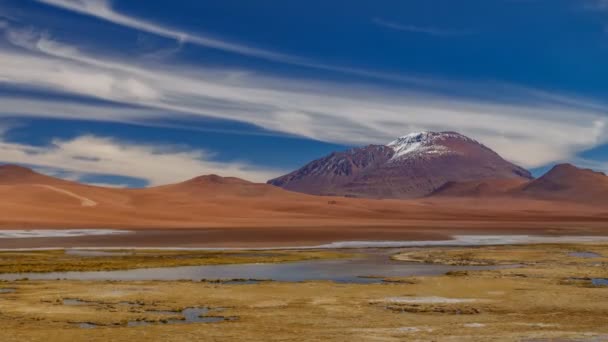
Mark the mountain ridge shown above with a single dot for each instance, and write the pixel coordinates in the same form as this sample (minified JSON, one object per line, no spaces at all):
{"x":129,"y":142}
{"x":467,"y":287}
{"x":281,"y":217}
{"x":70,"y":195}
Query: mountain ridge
{"x":563,"y":182}
{"x":30,"y":200}
{"x":412,"y":166}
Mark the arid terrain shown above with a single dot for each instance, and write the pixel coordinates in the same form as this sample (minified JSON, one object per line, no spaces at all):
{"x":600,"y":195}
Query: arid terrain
{"x":217,"y":211}
{"x":522,"y":292}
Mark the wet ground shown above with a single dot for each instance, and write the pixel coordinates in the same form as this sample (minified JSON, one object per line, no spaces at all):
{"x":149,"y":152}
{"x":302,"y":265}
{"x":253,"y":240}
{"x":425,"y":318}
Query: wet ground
{"x":372,"y":266}
{"x":553,"y":295}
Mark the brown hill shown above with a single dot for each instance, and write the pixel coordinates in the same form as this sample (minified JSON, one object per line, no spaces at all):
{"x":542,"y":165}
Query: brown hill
{"x":480,"y":188}
{"x":238,"y":210}
{"x":567,"y":182}
{"x":14,"y":174}
{"x":564,"y":182}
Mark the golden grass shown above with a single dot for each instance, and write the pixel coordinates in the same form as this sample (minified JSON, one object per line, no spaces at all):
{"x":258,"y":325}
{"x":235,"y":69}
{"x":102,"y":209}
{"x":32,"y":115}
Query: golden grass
{"x":60,"y":261}
{"x":526,"y":303}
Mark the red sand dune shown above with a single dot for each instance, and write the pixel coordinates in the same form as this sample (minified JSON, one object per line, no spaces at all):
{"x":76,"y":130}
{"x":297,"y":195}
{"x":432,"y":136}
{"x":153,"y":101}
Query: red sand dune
{"x":32,"y":200}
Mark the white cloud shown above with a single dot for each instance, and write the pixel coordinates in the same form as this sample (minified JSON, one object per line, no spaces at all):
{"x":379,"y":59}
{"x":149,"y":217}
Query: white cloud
{"x":109,"y":185}
{"x":89,"y":154}
{"x":536,"y":129}
{"x":103,"y":10}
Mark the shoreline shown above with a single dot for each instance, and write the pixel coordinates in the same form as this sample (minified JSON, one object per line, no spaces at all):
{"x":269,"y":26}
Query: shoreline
{"x":467,"y":240}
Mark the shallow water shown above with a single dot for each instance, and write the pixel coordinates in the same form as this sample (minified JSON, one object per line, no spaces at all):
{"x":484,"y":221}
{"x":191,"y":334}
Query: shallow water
{"x":374,"y":265}
{"x":455,"y":240}
{"x":186,"y":316}
{"x":7,"y":290}
{"x":189,"y":315}
{"x":74,"y":302}
{"x":586,"y":255}
{"x":599,"y":281}
{"x":138,"y":323}
{"x":196,"y":315}
{"x":56,"y":233}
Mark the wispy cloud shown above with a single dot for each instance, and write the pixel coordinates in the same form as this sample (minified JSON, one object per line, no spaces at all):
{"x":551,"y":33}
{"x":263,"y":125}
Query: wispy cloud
{"x":535,"y":129}
{"x":596,"y":165}
{"x":90,"y":154}
{"x":103,"y":10}
{"x":152,"y":52}
{"x":432,"y":31}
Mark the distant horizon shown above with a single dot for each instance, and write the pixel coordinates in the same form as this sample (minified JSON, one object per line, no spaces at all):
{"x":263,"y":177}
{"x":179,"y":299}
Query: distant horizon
{"x":537,"y":172}
{"x":33,"y":168}
{"x":122,"y":93}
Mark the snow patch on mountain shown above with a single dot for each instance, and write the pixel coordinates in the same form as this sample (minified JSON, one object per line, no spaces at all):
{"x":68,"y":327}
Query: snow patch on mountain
{"x":427,"y":143}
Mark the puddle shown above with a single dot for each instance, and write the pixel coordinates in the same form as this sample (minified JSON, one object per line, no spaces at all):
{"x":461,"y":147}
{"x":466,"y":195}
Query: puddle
{"x":138,"y":323}
{"x":186,"y":316}
{"x":196,"y":315}
{"x":7,"y":290}
{"x":599,"y":282}
{"x":586,"y":255}
{"x":371,"y":268}
{"x":74,"y":302}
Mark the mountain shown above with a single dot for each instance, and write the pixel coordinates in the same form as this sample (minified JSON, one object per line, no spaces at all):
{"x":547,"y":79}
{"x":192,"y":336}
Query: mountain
{"x":564,"y":182}
{"x":218,"y":186}
{"x":480,"y":188}
{"x":412,"y":166}
{"x":567,"y":182}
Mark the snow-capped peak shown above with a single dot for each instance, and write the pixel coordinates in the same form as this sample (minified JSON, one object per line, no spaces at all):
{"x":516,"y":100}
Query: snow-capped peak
{"x":423,"y":143}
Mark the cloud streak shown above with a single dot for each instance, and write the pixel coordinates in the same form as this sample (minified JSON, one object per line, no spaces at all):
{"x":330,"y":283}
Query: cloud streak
{"x":102,"y":9}
{"x":431,"y":31}
{"x":536,"y":129}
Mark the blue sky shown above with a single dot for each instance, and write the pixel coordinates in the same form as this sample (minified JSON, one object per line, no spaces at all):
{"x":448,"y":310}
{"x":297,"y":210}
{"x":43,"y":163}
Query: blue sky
{"x":136,"y":93}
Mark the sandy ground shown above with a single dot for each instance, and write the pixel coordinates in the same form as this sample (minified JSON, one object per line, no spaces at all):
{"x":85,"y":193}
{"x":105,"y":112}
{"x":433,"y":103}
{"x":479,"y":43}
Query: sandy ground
{"x":227,"y":212}
{"x":85,"y":202}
